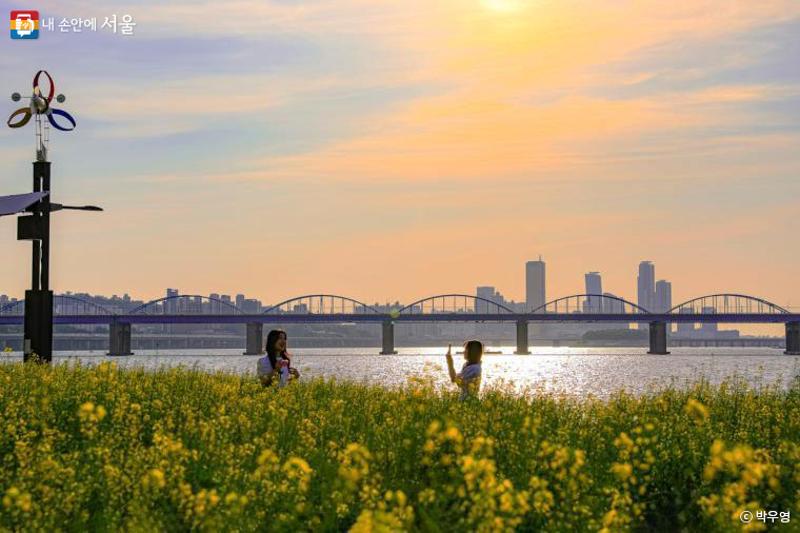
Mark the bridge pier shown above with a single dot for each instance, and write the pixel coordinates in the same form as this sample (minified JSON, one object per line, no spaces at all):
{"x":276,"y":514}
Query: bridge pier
{"x":255,"y":339}
{"x":119,"y":338}
{"x":792,"y":338}
{"x":522,"y":338}
{"x":388,"y":338}
{"x":658,"y":338}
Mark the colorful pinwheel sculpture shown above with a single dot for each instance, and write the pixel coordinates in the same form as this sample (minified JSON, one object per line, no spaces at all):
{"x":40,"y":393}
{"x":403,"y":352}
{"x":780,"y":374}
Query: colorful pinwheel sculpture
{"x":40,"y":105}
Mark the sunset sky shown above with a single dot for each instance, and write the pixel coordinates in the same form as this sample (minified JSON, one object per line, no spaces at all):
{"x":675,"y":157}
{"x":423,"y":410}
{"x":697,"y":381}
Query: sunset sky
{"x":395,"y":150}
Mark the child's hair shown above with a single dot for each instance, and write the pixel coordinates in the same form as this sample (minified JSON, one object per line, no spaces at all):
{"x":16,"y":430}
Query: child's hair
{"x":473,"y":351}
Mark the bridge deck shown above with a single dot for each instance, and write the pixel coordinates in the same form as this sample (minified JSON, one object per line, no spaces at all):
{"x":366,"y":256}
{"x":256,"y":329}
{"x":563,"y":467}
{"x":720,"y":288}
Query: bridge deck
{"x":720,"y":318}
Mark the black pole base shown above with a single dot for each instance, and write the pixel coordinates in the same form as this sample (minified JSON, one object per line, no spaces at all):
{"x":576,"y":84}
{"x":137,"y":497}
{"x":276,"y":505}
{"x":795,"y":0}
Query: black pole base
{"x":38,"y":340}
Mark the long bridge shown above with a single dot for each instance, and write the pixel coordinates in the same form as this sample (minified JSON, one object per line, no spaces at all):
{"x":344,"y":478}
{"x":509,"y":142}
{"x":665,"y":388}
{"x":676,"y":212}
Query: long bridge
{"x":328,"y":308}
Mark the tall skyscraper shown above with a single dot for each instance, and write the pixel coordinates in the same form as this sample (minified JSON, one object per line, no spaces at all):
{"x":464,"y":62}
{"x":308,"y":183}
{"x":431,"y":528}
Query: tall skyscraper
{"x":663,"y":296}
{"x":535,"y":293}
{"x":594,"y":285}
{"x":646,"y":286}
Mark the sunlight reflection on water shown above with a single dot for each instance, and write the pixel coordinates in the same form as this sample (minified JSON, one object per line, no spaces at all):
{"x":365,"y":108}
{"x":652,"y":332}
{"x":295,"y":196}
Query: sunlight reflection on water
{"x":574,"y":371}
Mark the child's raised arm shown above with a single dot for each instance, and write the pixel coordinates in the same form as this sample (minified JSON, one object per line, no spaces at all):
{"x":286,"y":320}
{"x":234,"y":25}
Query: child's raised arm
{"x":450,"y":368}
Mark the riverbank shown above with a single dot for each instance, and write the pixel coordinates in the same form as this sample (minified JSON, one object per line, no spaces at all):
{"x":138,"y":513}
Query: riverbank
{"x":102,"y":448}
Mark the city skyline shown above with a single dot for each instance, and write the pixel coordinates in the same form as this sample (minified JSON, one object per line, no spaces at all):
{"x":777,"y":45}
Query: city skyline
{"x":655,"y":296}
{"x":535,"y":280}
{"x":384,"y":155}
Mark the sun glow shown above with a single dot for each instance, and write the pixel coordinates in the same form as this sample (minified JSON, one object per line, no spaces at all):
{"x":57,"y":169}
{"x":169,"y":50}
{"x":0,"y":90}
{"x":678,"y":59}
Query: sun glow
{"x":503,"y":6}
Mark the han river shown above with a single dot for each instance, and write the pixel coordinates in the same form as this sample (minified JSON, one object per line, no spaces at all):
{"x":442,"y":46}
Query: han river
{"x":581,"y":372}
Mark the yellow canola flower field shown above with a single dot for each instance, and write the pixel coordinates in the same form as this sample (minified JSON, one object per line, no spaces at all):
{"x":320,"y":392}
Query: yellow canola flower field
{"x":103,"y":449}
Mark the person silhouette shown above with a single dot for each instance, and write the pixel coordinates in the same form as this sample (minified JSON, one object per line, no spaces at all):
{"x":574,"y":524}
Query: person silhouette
{"x":469,"y":378}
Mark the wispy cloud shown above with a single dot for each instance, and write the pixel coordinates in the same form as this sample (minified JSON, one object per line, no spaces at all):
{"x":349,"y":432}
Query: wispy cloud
{"x":426,"y":133}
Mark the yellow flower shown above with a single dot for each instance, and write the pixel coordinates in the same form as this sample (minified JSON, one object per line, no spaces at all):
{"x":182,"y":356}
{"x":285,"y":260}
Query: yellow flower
{"x":154,"y":478}
{"x":696,"y":410}
{"x":623,"y":471}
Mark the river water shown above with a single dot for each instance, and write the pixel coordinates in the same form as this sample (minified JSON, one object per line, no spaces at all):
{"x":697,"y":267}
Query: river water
{"x":574,"y":371}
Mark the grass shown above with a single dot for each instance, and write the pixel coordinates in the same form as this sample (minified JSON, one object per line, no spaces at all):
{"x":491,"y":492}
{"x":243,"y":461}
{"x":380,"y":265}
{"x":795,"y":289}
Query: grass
{"x":98,"y":448}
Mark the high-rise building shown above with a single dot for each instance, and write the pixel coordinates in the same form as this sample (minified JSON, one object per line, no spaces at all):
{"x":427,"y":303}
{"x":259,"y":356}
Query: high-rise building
{"x":663,"y":296}
{"x":240,"y":300}
{"x":594,"y":286}
{"x":646,"y":286}
{"x":535,"y":293}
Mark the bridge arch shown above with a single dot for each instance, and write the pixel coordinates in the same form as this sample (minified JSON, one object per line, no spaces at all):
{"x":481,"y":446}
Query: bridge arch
{"x":63,"y":304}
{"x":590,"y":303}
{"x":321,"y":304}
{"x":454,"y":303}
{"x":184,"y":304}
{"x":728,"y":303}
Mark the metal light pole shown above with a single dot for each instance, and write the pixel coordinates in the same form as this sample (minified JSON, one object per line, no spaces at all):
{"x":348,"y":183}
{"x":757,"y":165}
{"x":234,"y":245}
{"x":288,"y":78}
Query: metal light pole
{"x":35,"y":227}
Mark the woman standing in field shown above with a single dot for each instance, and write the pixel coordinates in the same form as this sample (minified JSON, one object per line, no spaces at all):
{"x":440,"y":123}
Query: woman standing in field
{"x":469,"y":379}
{"x":277,"y":362}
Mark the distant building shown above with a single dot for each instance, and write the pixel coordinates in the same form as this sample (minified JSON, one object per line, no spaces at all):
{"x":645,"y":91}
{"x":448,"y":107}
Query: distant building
{"x":226,"y":307}
{"x":484,"y":293}
{"x":239,"y":300}
{"x":685,"y":329}
{"x":193,"y":306}
{"x":251,"y":306}
{"x":535,"y":287}
{"x":488,"y":293}
{"x":646,"y":286}
{"x":708,"y":329}
{"x":663,"y":296}
{"x":214,"y":305}
{"x":594,"y":285}
{"x":612,"y":305}
{"x":171,"y":304}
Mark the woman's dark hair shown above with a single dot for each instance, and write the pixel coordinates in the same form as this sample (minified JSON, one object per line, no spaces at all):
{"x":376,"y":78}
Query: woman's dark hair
{"x":473,"y":350}
{"x":272,"y":352}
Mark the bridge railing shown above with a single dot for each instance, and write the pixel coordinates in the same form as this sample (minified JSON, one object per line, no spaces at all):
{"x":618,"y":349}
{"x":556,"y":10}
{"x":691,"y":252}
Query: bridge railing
{"x":733,"y":304}
{"x":454,"y":303}
{"x":186,"y":304}
{"x":321,"y":304}
{"x":590,"y":304}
